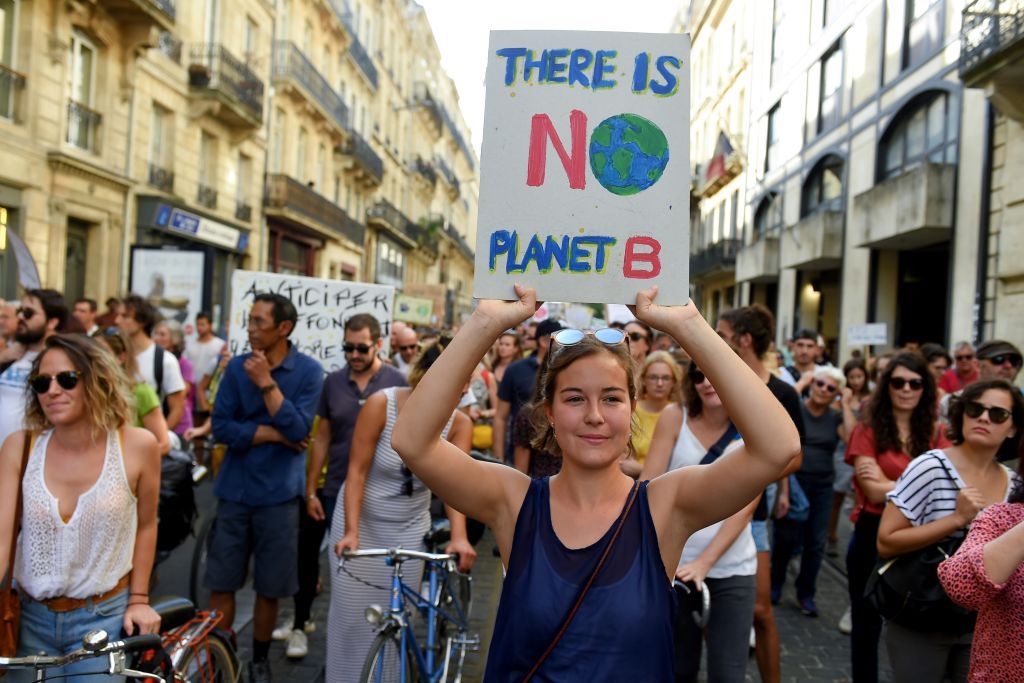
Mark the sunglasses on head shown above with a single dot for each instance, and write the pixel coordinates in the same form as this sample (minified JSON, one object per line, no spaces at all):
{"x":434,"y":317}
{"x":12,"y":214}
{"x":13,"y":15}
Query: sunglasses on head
{"x":696,"y":376}
{"x":974,"y":410}
{"x":609,"y":336}
{"x":361,"y":348}
{"x":822,"y":384}
{"x":1013,"y":358}
{"x":900,"y":382}
{"x":66,"y":380}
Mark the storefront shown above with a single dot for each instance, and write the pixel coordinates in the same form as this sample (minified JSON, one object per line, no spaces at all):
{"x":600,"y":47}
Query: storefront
{"x":210,"y":247}
{"x":292,"y":248}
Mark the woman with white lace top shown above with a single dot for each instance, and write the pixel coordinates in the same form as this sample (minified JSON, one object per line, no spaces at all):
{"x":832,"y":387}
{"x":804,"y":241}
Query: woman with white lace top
{"x":89,"y":497}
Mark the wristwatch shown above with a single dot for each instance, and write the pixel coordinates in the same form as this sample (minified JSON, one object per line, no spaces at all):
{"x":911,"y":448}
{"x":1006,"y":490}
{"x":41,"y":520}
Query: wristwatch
{"x":267,"y":389}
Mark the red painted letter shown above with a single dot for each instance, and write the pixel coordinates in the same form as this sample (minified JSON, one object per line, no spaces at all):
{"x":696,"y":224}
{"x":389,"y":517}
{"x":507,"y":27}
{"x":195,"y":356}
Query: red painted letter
{"x":575,"y":165}
{"x":648,"y":257}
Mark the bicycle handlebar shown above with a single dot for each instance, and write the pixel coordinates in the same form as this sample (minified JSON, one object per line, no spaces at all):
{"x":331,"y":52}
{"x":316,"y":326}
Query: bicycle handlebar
{"x":149,"y":641}
{"x":398,"y":554}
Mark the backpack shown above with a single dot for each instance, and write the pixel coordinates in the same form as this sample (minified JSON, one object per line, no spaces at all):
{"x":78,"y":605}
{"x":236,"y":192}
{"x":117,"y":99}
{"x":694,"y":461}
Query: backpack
{"x":158,"y":377}
{"x":177,"y":510}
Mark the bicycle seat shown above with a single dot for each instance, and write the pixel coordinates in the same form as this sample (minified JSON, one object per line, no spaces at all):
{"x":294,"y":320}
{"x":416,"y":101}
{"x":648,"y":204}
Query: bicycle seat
{"x":174,"y":611}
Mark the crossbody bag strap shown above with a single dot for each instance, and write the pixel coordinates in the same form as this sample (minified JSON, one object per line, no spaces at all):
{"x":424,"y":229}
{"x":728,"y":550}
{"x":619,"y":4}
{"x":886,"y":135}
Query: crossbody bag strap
{"x":9,"y":579}
{"x":586,"y":587}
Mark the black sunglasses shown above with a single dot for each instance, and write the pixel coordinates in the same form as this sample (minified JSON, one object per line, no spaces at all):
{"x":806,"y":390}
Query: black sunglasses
{"x":1015,"y":360}
{"x":966,"y":356}
{"x":822,"y":384}
{"x":974,"y":410}
{"x":26,"y":313}
{"x":696,"y":376}
{"x":637,"y":336}
{"x":900,"y":382}
{"x":67,"y":380}
{"x":361,"y":348}
{"x":407,"y":347}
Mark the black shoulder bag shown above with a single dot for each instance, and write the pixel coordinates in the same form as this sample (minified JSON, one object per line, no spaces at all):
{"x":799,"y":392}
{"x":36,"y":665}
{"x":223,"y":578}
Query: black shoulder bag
{"x":719,"y":446}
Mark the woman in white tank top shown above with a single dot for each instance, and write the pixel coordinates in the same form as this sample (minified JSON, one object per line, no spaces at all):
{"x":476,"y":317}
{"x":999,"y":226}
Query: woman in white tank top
{"x":90,"y":490}
{"x":723,"y":555}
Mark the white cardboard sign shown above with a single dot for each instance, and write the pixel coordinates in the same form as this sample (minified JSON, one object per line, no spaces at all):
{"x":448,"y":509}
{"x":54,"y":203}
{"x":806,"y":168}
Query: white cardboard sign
{"x":585,"y":166}
{"x":323,"y":307}
{"x":867,"y":335}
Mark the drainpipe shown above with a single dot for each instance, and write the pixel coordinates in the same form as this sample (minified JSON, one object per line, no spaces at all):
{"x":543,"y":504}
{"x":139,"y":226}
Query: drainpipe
{"x":984,"y":224}
{"x":126,"y":241}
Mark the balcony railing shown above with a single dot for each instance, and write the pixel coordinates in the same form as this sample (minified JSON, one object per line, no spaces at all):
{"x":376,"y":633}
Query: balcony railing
{"x":291,"y":64}
{"x":161,"y":178}
{"x":717,"y":257}
{"x":356,"y":50}
{"x":207,"y":196}
{"x":424,"y":100}
{"x":285,"y":194}
{"x":83,"y":125}
{"x":243,"y":211}
{"x":215,"y":69}
{"x":447,"y":174}
{"x":460,"y":243}
{"x":360,"y":150}
{"x":989,"y":28}
{"x":386,"y":212}
{"x":457,"y":136}
{"x":166,"y":6}
{"x":425,"y":169}
{"x":170,"y":46}
{"x":160,"y":12}
{"x":11,"y":85}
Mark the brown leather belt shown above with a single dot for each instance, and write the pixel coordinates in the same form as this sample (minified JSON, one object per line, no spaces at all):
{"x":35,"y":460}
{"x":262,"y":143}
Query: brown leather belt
{"x":62,"y":604}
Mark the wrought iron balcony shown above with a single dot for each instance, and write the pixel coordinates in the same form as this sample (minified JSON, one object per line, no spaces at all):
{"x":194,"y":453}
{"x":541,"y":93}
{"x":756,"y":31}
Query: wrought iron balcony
{"x":288,"y":198}
{"x":12,"y":84}
{"x":427,"y":236}
{"x":356,"y":50}
{"x":243,"y":211}
{"x":215,"y":72}
{"x":425,"y":102}
{"x":460,"y":243}
{"x":291,"y":66}
{"x":386,"y":214}
{"x":715,"y":258}
{"x":170,"y":46}
{"x":991,"y":31}
{"x":161,"y":178}
{"x":83,"y":125}
{"x":425,"y":170}
{"x":457,"y":137}
{"x":207,"y":196}
{"x":364,"y":160}
{"x":447,"y":174}
{"x":160,"y":12}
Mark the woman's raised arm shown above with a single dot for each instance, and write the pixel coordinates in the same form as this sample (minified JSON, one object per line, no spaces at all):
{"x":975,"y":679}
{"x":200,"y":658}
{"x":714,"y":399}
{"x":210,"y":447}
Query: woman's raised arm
{"x":486,"y":491}
{"x":704,"y":495}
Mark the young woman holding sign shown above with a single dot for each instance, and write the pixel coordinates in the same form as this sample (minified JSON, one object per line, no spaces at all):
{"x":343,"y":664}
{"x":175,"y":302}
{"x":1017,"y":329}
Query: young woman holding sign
{"x":590,"y":553}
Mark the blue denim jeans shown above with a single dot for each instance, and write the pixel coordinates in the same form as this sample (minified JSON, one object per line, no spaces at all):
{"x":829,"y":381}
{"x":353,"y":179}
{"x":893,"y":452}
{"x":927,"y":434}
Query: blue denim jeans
{"x":810,"y":535}
{"x":53,"y":633}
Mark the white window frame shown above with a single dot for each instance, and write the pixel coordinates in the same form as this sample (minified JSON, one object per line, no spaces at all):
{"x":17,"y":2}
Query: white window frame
{"x":77,"y":42}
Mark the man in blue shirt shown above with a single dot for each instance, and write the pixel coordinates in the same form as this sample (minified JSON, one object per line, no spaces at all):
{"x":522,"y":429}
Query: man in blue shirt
{"x":264,"y":413}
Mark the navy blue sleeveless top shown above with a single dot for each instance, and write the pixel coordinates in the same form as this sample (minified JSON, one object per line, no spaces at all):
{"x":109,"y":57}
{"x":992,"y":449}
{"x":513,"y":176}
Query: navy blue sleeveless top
{"x":623,"y":630}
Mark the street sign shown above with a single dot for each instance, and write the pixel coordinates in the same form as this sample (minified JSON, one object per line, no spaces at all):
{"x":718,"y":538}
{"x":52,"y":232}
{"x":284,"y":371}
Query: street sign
{"x":585,"y":167}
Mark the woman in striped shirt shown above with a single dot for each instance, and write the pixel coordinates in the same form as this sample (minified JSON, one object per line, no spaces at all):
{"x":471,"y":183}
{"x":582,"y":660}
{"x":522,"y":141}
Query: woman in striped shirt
{"x":937,"y":496}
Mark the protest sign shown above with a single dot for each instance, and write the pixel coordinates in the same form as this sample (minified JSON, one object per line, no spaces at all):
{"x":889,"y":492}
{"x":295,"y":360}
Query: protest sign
{"x":414,"y":309}
{"x":323,"y":307}
{"x":172,"y":280}
{"x":867,"y":335}
{"x":585,"y":166}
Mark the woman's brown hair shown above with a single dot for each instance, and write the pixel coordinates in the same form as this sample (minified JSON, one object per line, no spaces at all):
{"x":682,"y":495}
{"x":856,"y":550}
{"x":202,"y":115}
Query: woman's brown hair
{"x":558,"y":359}
{"x":107,"y":396}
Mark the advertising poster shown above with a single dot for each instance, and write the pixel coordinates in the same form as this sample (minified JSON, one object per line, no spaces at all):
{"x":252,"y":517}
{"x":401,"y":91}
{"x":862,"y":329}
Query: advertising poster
{"x":585,"y":166}
{"x":172,"y":280}
{"x":323,"y":307}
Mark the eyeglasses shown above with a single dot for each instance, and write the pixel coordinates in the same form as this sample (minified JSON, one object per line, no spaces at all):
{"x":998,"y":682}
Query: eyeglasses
{"x":900,"y":382}
{"x":407,"y":347}
{"x":696,"y":376}
{"x":637,"y":336}
{"x":1013,"y":358}
{"x":965,"y":357}
{"x":830,"y":388}
{"x":258,"y":323}
{"x":659,"y":379}
{"x":26,"y":313}
{"x":66,"y":380}
{"x":974,"y":410}
{"x":363,"y":349}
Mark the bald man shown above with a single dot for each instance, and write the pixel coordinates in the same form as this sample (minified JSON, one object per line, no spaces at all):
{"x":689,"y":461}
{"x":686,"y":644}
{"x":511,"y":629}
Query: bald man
{"x":406,"y":348}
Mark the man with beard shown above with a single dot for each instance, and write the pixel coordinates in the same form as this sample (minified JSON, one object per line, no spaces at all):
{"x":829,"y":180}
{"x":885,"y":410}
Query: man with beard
{"x":42,"y":313}
{"x":264,"y":413}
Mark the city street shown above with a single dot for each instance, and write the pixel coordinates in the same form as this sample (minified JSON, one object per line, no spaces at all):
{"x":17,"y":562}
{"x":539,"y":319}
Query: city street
{"x":813,"y":650}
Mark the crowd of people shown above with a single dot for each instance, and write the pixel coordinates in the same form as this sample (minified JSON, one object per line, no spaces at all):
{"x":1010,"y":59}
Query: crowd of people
{"x":620,"y":460}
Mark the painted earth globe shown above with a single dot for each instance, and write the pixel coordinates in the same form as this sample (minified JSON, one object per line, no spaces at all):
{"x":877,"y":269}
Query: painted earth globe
{"x":628,"y":153}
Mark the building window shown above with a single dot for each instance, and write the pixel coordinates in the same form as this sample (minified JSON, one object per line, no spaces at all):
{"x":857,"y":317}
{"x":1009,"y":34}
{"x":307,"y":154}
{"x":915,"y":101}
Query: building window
{"x":922,"y":33}
{"x":300,"y":156}
{"x":307,"y":40}
{"x":293,"y":258}
{"x":211,"y":22}
{"x":243,"y":206}
{"x":774,"y":139}
{"x":778,"y":37}
{"x":390,"y":264}
{"x":829,"y":11}
{"x":924,"y":130}
{"x":830,"y":92}
{"x":823,"y":188}
{"x":768,"y":216}
{"x":734,"y":207}
{"x":321,"y":169}
{"x":160,"y":145}
{"x":10,"y":80}
{"x":277,"y":141}
{"x":252,"y":32}
{"x":207,"y":170}
{"x":83,"y":119}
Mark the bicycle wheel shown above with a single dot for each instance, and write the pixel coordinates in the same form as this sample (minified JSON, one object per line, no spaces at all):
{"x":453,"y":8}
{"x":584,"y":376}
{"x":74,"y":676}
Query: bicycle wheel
{"x":197,"y":592}
{"x":213,"y":661}
{"x":383,"y":661}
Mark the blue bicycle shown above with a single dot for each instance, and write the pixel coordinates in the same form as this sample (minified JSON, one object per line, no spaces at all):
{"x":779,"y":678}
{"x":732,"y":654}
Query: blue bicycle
{"x":396,"y":653}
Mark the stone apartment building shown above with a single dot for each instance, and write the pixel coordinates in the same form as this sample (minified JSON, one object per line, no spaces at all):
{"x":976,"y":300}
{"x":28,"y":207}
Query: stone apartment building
{"x":316,"y":137}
